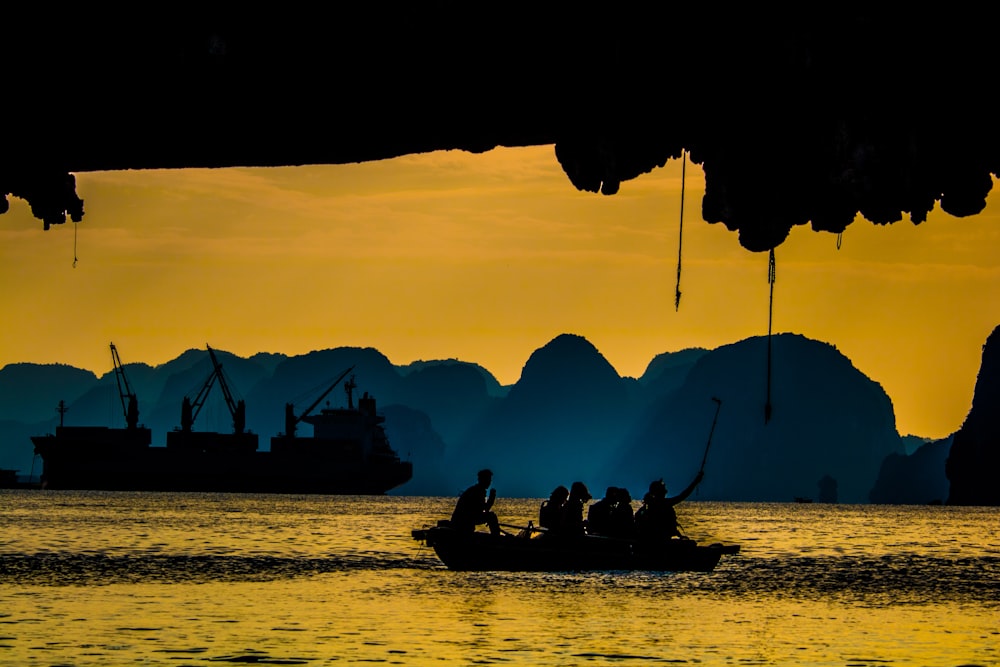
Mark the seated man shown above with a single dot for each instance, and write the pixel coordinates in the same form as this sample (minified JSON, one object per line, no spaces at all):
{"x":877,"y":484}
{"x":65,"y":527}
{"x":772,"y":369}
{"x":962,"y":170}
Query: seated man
{"x":612,"y":516}
{"x":473,"y":507}
{"x":550,"y":514}
{"x":622,"y":516}
{"x":599,"y":516}
{"x":656,"y":519}
{"x":573,"y":522}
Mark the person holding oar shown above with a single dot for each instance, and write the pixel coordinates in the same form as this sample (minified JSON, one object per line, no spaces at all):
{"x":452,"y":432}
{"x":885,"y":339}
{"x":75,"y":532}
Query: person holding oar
{"x":656,"y":518}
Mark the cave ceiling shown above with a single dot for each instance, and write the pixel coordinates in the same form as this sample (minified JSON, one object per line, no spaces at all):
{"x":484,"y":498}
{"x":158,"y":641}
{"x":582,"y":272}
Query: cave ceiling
{"x":808,"y":116}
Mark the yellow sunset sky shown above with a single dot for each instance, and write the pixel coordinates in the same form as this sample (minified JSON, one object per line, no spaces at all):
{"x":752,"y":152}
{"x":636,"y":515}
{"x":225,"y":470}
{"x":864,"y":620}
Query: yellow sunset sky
{"x":484,"y":258}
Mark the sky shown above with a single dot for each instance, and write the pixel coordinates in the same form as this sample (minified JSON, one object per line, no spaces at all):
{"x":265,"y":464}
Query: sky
{"x":485,"y":258}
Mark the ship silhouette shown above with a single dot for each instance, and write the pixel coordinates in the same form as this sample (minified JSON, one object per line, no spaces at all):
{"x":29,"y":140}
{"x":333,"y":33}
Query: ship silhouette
{"x":348,"y":453}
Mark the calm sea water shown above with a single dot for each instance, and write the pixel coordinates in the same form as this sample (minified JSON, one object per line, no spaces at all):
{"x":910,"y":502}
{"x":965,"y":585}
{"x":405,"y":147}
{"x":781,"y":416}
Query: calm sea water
{"x":92,"y":578}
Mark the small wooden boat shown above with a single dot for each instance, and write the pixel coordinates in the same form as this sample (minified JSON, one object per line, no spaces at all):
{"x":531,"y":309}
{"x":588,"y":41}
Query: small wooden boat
{"x":534,"y":551}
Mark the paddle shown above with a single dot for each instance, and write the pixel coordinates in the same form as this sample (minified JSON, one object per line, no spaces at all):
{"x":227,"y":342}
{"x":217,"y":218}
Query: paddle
{"x":530,"y":528}
{"x":718,"y":406}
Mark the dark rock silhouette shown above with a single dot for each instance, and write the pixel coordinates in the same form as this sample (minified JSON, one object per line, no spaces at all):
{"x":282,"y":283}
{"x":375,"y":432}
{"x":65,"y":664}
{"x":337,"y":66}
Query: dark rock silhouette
{"x":186,"y":375}
{"x":457,"y":394}
{"x":30,"y":392}
{"x":913,"y":479}
{"x":827,"y":489}
{"x":16,"y":452}
{"x":559,"y":423}
{"x":828,"y":419}
{"x":570,"y":416}
{"x":493,"y":387}
{"x":613,"y":89}
{"x":301,"y":379}
{"x":414,"y":438}
{"x":973,"y":465}
{"x":666,"y":372}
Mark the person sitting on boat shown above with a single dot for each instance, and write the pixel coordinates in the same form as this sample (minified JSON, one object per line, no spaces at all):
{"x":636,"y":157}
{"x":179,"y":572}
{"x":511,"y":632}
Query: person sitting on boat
{"x":550,"y":514}
{"x":656,"y":518}
{"x":600,"y":515}
{"x":573,"y":522}
{"x":475,"y":508}
{"x":622,"y":516}
{"x":612,"y":516}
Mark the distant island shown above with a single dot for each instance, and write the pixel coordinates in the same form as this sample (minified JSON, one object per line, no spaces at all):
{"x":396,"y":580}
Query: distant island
{"x":569,"y":417}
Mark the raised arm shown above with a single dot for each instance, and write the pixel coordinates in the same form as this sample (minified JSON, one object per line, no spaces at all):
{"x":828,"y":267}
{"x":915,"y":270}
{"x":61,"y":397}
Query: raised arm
{"x":680,"y":497}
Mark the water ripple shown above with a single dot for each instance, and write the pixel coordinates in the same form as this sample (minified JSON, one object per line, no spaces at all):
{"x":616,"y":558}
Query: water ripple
{"x":74,"y":569}
{"x":875,"y":581}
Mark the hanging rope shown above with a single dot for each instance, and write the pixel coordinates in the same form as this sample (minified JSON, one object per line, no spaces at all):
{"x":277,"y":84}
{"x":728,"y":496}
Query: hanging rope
{"x":76,"y":226}
{"x":840,"y":239}
{"x":770,"y":319}
{"x":680,"y":233}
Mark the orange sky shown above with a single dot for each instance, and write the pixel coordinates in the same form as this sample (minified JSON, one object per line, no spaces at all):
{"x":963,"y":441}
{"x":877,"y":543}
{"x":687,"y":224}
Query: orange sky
{"x":484,"y":258}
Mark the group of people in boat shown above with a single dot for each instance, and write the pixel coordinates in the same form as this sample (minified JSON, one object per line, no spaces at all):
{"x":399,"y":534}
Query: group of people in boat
{"x":563,"y":512}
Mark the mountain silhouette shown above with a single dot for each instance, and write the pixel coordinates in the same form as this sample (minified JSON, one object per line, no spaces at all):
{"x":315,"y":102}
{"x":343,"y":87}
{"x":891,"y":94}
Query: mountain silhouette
{"x":187,"y":376}
{"x":973,"y":464}
{"x":457,"y":394}
{"x":300,"y":380}
{"x":915,"y":479}
{"x":828,"y":419}
{"x":559,"y":423}
{"x":493,"y":387}
{"x":31,"y":392}
{"x":570,"y":416}
{"x":666,"y":372}
{"x":414,"y":438}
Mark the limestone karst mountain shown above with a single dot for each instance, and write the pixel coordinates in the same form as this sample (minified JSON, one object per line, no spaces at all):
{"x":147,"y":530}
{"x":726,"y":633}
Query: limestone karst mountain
{"x":914,"y":479}
{"x":827,"y":419}
{"x":570,"y":416}
{"x":559,"y":422}
{"x":973,"y":464}
{"x":30,"y":392}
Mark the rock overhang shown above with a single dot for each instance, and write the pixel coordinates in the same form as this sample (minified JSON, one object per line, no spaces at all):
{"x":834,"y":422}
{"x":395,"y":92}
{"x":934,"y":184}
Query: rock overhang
{"x":812,"y":116}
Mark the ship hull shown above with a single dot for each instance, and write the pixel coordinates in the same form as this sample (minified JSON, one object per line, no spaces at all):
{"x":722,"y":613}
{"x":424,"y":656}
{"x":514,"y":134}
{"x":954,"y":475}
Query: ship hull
{"x":125,"y":466}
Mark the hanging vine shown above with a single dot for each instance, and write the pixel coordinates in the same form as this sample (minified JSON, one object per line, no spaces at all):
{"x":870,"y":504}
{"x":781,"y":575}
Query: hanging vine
{"x":770,"y":320}
{"x":680,"y":233}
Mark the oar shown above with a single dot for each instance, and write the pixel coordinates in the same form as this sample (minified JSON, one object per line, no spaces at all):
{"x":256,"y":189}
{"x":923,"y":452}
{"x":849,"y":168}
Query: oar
{"x":531,"y":527}
{"x":718,"y":406}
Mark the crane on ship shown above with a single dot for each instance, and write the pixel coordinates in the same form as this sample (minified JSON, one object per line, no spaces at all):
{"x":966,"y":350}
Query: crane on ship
{"x":292,"y":422}
{"x":130,"y":404}
{"x":191,"y":408}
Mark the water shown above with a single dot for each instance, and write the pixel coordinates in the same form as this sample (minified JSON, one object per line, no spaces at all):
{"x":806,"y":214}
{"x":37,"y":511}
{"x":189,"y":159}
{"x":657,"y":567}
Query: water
{"x":92,"y":578}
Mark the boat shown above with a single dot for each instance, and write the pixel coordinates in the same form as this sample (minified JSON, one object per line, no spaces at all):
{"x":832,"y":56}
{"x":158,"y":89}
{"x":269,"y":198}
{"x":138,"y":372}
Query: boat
{"x":533,"y":550}
{"x":8,"y":478}
{"x":348,"y":452}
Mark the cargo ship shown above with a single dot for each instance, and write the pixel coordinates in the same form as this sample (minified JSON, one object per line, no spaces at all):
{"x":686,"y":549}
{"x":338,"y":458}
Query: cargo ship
{"x":348,"y":452}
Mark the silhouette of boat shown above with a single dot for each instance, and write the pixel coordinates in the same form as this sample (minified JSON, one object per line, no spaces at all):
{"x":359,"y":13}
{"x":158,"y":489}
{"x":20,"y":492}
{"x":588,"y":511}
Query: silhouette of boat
{"x":9,"y":479}
{"x":531,"y":551}
{"x":349,"y":452}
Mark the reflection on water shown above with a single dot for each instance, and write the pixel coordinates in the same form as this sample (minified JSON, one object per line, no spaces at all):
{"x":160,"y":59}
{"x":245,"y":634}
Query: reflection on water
{"x":179,"y":579}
